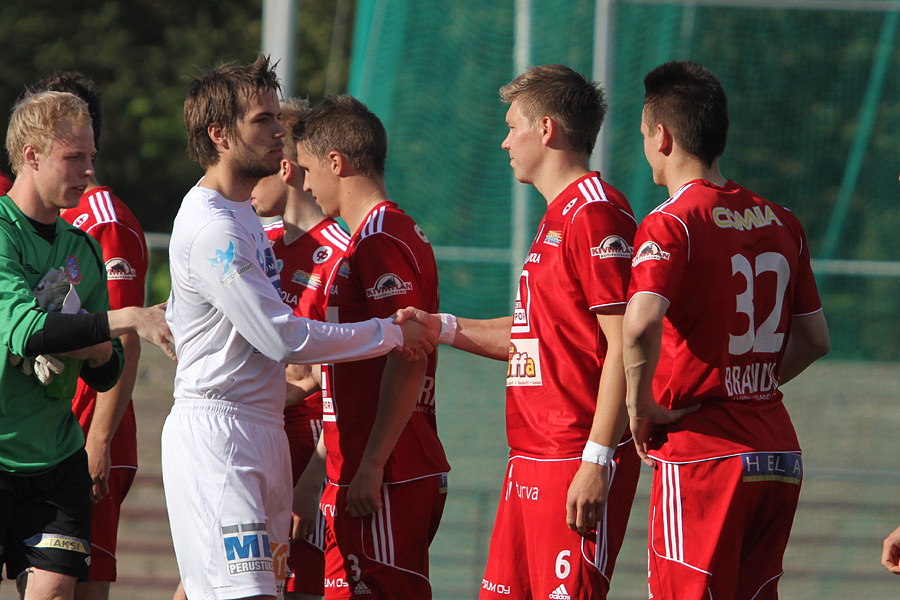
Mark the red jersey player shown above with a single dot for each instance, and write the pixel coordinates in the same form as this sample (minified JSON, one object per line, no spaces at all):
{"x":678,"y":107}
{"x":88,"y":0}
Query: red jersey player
{"x":5,"y":184}
{"x":386,"y":467}
{"x":109,"y":425}
{"x":307,"y":245}
{"x":555,"y":535}
{"x":723,"y":310}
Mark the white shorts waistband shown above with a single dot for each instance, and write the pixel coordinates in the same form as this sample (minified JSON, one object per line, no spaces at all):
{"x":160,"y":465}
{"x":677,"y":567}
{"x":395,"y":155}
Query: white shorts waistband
{"x":228,"y":409}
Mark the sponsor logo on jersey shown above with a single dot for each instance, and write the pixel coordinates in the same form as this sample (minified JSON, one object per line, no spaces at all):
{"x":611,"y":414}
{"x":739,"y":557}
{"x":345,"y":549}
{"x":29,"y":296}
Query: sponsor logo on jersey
{"x":497,"y":588}
{"x":751,"y":218}
{"x":31,"y":270}
{"x":773,"y":466}
{"x":118,"y":269}
{"x":73,"y":273}
{"x":310,"y":280}
{"x":338,"y":582}
{"x":612,"y":246}
{"x":524,"y":367}
{"x":80,"y":220}
{"x":344,"y":269}
{"x":59,"y":542}
{"x":223,"y":257}
{"x":569,"y":206}
{"x":289,"y":298}
{"x":521,"y":306}
{"x":388,"y":285}
{"x":362,"y":589}
{"x":426,"y":396}
{"x":322,"y":254}
{"x":248,"y":549}
{"x":533,"y":257}
{"x":553,"y":238}
{"x":560,"y":593}
{"x":649,"y":250}
{"x":421,"y":234}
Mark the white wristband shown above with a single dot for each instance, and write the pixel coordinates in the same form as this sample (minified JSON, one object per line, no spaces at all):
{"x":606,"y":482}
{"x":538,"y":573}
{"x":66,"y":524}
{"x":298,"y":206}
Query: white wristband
{"x":597,"y":454}
{"x":449,"y":326}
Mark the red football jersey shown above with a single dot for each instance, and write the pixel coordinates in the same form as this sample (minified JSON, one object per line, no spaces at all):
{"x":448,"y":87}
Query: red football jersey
{"x":106,"y":218}
{"x":735,"y":269}
{"x":5,"y":184}
{"x":304,"y":267}
{"x":579,"y":262}
{"x":388,"y":266}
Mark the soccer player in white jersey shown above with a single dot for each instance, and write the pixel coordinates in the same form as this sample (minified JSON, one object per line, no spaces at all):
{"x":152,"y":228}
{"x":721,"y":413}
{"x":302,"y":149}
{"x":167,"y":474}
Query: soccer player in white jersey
{"x":723,"y":309}
{"x":226,"y":466}
{"x":572,"y":469}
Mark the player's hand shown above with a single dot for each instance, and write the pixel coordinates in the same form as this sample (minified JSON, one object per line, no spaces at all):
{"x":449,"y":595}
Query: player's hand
{"x":586,"y":498}
{"x":152,"y":327}
{"x":305,"y":507}
{"x":418,"y":340}
{"x":364,"y":494}
{"x":95,"y":356}
{"x":302,"y":380}
{"x":890,"y":555}
{"x":99,"y":463}
{"x":646,"y":421}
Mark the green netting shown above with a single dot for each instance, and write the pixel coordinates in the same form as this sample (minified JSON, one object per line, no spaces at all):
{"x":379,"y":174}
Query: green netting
{"x":815,"y":117}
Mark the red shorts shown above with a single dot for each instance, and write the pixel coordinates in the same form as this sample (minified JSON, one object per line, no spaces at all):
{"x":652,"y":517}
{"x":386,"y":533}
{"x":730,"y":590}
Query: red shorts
{"x":306,"y":562}
{"x":105,"y":524}
{"x":383,"y":556}
{"x":719,"y":528}
{"x":533,"y":553}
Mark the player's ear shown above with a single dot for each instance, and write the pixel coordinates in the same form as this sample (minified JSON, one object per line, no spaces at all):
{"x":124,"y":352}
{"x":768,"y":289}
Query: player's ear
{"x":664,"y":139}
{"x":548,"y":129}
{"x":217,"y":134}
{"x":287,"y":170}
{"x":337,"y":163}
{"x":31,"y":156}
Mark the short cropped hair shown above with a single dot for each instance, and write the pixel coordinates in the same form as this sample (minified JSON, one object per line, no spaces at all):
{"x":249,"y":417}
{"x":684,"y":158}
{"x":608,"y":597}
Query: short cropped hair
{"x":80,"y":85}
{"x":558,"y":92}
{"x":222,"y":96}
{"x":34,"y":122}
{"x":344,"y":124}
{"x":292,"y":110}
{"x":690,"y":101}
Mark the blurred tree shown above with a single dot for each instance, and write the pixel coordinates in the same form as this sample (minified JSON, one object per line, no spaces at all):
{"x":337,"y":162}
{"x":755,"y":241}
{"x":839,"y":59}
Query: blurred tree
{"x":142,"y":54}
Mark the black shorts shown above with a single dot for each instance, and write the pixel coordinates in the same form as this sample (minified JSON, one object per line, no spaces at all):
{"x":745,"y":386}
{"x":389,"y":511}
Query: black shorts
{"x":45,"y":519}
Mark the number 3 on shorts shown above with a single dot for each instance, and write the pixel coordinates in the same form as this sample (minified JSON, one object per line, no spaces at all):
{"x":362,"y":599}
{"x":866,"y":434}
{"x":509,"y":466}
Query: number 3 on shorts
{"x":563,"y":568}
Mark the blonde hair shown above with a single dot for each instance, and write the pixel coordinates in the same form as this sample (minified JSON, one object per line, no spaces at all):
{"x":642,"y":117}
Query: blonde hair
{"x":34,"y":122}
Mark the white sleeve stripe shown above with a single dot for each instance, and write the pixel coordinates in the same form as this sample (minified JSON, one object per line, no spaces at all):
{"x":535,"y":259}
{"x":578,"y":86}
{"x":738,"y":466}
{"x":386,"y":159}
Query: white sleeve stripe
{"x":102,"y":207}
{"x":686,"y":231}
{"x":649,"y":292}
{"x":340,"y":240}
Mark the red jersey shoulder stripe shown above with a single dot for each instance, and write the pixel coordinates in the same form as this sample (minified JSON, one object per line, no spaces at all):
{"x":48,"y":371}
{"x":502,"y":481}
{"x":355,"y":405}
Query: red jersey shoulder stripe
{"x":335,"y":234}
{"x":102,"y":207}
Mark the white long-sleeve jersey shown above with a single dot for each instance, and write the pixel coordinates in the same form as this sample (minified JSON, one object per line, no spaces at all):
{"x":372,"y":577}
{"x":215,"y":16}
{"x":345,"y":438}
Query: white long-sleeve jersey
{"x":232,"y":331}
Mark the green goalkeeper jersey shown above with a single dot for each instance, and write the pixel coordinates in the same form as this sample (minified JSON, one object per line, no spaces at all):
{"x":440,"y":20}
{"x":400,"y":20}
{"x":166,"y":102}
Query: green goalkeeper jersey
{"x":38,"y":432}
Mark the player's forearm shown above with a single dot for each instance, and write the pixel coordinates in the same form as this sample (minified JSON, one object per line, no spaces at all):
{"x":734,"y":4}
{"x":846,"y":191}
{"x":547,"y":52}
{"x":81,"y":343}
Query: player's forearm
{"x":642,"y":337}
{"x":484,"y":337}
{"x":401,"y":384}
{"x":111,"y":405}
{"x":807,"y":342}
{"x":611,"y":414}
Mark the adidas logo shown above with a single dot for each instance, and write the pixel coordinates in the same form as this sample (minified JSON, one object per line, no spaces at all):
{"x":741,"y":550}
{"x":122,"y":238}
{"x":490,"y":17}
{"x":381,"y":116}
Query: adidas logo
{"x":560,"y":593}
{"x":362,"y":589}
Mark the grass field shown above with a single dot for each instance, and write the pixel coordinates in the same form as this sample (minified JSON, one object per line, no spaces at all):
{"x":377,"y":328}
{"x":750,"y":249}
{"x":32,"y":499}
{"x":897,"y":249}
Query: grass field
{"x":847,"y":416}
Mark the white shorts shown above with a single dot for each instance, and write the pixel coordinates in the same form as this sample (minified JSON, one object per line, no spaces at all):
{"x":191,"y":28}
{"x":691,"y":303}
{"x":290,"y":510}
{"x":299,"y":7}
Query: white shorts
{"x":227,"y":476}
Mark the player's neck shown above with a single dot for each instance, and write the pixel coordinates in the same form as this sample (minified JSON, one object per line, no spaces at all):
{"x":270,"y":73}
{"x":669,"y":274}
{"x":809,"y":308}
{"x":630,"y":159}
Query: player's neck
{"x":300,"y":215}
{"x":683,"y":169}
{"x":93,"y":185}
{"x":558,"y":173}
{"x":360,"y":198}
{"x":25,"y":196}
{"x":228,"y":183}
